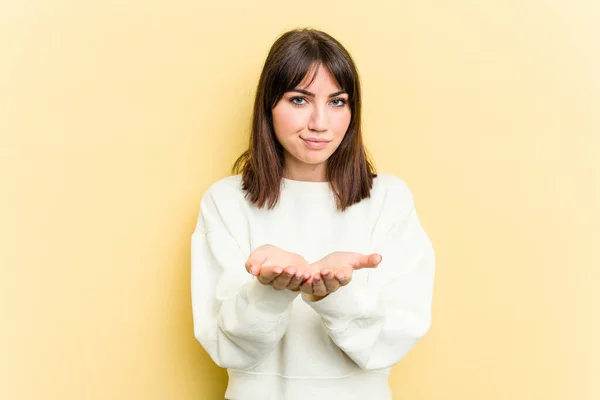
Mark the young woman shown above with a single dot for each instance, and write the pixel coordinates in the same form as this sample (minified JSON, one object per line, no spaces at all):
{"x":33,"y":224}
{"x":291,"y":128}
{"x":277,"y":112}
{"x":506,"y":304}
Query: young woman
{"x":311,"y":275}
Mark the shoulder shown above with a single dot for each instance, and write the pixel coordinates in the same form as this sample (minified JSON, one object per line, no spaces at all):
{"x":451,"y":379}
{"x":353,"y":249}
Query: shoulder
{"x":226,"y":193}
{"x":392,"y":197}
{"x":229,"y":187}
{"x":220,"y":206}
{"x":392,"y":189}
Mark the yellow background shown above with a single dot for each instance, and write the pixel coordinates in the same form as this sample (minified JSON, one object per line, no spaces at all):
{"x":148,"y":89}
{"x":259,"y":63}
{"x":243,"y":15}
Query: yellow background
{"x":116,"y":116}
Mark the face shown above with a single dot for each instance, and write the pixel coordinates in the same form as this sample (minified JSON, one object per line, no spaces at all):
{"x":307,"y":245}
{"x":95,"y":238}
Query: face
{"x":310,"y":123}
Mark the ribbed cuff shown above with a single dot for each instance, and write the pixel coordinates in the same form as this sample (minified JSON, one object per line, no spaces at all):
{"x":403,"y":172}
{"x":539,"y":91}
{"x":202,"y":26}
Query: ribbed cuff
{"x":344,"y":305}
{"x":269,"y":302}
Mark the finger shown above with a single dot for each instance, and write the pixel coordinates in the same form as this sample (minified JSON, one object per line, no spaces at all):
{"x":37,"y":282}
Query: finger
{"x":331,"y":283}
{"x":368,"y":261}
{"x":307,"y":286}
{"x":267,"y":274}
{"x":254,"y":269}
{"x":248,"y":265}
{"x":296,"y":281}
{"x":253,"y":265}
{"x":375,"y":259}
{"x":343,"y":278}
{"x":283,"y":280}
{"x":318,"y":286}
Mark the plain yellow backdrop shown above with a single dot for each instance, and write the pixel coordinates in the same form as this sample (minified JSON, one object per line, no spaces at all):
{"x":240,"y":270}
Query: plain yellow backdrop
{"x":116,"y":116}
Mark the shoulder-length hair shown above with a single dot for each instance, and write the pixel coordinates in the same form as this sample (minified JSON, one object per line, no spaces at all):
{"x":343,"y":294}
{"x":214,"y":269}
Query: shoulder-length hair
{"x":349,"y":170}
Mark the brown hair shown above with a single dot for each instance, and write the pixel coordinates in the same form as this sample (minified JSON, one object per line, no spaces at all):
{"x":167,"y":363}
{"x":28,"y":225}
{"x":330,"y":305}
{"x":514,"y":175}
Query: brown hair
{"x":349,"y":171}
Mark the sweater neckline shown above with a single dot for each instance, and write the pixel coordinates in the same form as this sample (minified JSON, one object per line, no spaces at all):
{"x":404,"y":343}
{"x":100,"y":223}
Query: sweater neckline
{"x":305,"y":187}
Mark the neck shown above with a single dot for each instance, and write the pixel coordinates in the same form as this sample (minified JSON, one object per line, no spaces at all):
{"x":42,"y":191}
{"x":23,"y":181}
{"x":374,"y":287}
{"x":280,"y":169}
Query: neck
{"x":306,"y":172}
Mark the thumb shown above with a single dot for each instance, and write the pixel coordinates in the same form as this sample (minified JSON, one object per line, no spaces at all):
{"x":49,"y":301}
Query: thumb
{"x":375,"y":259}
{"x":253,"y":266}
{"x":368,"y":261}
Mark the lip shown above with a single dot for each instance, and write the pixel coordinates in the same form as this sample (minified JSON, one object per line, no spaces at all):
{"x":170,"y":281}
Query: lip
{"x":314,"y":139}
{"x":315,"y":143}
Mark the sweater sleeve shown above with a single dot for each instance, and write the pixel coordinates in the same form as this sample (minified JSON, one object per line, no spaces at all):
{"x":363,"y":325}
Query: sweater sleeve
{"x":238,"y":321}
{"x":377,"y":322}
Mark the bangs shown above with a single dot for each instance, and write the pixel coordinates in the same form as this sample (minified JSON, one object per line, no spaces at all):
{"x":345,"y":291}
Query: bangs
{"x":343,"y":71}
{"x":293,"y":73}
{"x":303,"y":64}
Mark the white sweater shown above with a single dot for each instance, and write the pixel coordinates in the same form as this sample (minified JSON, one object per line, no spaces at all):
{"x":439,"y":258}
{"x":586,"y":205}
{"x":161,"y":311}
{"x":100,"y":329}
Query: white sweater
{"x":274,"y":344}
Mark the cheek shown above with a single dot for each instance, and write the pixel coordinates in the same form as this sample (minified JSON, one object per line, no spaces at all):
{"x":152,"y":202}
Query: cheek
{"x":287,"y":120}
{"x":341,"y":122}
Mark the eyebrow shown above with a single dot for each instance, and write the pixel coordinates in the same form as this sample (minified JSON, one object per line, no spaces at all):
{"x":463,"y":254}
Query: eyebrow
{"x":306,"y":92}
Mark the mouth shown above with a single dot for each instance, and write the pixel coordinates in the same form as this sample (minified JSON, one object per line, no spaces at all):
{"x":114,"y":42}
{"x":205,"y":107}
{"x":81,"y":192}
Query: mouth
{"x":315,"y":143}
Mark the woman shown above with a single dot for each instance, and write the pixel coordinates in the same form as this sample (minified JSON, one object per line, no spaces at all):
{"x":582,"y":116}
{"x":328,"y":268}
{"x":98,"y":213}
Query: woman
{"x":311,"y":275}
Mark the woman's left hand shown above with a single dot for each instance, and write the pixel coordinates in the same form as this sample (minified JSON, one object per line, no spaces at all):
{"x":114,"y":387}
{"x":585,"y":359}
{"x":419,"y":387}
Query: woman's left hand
{"x":335,"y":270}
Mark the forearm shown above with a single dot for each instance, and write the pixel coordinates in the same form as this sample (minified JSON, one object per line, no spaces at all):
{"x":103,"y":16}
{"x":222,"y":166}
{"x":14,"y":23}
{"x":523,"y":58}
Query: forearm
{"x":377,"y":323}
{"x":247,"y":327}
{"x":374,"y":335}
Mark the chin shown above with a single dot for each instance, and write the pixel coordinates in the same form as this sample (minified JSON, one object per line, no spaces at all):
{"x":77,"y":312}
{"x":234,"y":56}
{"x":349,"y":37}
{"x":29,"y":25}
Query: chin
{"x":309,"y":157}
{"x":314,"y":160}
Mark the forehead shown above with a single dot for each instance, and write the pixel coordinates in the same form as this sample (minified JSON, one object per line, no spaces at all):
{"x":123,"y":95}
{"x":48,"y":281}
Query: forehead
{"x":318,"y":76}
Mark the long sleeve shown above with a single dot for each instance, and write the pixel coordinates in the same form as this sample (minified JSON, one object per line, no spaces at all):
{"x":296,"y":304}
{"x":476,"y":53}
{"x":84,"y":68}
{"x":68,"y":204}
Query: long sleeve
{"x":377,"y":323}
{"x":237,"y":320}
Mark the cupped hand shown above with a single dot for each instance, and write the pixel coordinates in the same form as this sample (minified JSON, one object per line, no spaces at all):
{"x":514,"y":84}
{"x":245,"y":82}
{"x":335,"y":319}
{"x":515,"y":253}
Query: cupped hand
{"x":335,"y":270}
{"x":278,"y":268}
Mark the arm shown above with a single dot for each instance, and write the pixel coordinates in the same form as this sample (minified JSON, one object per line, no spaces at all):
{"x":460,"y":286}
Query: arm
{"x":377,"y":323}
{"x":238,"y":320}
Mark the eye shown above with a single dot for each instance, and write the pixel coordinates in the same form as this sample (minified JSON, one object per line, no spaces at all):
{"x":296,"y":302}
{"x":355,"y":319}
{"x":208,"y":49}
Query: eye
{"x":341,"y":102}
{"x":297,"y":103}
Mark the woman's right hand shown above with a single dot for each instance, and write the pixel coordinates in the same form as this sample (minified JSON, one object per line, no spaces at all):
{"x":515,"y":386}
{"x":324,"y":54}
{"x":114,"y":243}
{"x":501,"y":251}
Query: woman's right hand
{"x":278,"y":268}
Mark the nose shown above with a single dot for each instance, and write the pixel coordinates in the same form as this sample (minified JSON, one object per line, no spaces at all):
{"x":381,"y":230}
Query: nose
{"x":318,"y":120}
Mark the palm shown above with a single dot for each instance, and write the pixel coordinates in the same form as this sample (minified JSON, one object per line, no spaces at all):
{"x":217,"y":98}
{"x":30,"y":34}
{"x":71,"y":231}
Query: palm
{"x":274,"y":257}
{"x":335,"y":270}
{"x":347,"y":261}
{"x":278,"y":268}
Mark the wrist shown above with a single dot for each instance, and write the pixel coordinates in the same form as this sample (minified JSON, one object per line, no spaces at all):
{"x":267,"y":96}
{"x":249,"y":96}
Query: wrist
{"x":312,"y":298}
